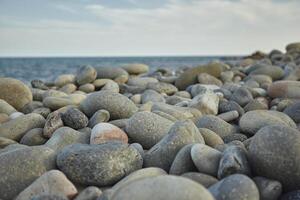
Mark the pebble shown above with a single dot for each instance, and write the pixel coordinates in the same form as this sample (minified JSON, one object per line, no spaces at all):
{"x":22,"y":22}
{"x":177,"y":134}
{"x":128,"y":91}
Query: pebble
{"x":53,"y":182}
{"x":163,"y":187}
{"x":293,"y":111}
{"x":203,"y":179}
{"x":55,"y":103}
{"x":274,"y":153}
{"x":15,"y":115}
{"x":28,"y":108}
{"x":98,"y":165}
{"x":53,"y":122}
{"x":256,"y":104}
{"x":147,"y":128}
{"x":86,"y":74}
{"x":64,"y":79}
{"x":151,"y":96}
{"x":4,"y":142}
{"x":136,"y":68}
{"x":294,"y":195}
{"x":207,"y":103}
{"x":162,"y":87}
{"x":33,"y":137}
{"x":274,"y":72}
{"x":15,"y":92}
{"x":164,"y":152}
{"x":5,"y":108}
{"x":229,"y":116}
{"x":211,"y":138}
{"x":39,"y":84}
{"x":116,"y":104}
{"x":105,"y":132}
{"x":206,"y":159}
{"x":227,"y":106}
{"x":89,"y":193}
{"x":208,"y":79}
{"x":141,"y":81}
{"x":235,"y":136}
{"x":110,"y":72}
{"x":42,"y":111}
{"x":68,"y":88}
{"x":49,"y":197}
{"x":74,"y":118}
{"x":99,"y":117}
{"x":235,"y":187}
{"x":87,"y":88}
{"x":268,"y":189}
{"x":15,"y":129}
{"x":242,"y":96}
{"x":284,"y":89}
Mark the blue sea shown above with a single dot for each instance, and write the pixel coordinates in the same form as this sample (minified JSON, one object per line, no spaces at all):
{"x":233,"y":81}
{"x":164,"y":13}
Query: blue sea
{"x":27,"y":69}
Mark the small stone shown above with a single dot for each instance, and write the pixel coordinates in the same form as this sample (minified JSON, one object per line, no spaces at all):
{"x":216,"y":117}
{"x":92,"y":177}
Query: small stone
{"x":42,"y":111}
{"x":136,"y":68}
{"x":227,"y":106}
{"x":147,"y":128}
{"x":49,"y":197}
{"x":233,"y":161}
{"x":141,"y":81}
{"x":206,"y":159}
{"x":105,"y":132}
{"x":273,"y":71}
{"x":207,"y":103}
{"x":256,"y":104}
{"x":235,"y":136}
{"x":39,"y":84}
{"x":51,"y":182}
{"x":229,"y":116}
{"x":99,"y":117}
{"x":203,"y":179}
{"x":28,"y":108}
{"x":208,"y":79}
{"x":86,"y":74}
{"x":99,"y":165}
{"x":137,"y":98}
{"x":164,"y":152}
{"x":110,"y":72}
{"x":111,"y":86}
{"x":15,"y":92}
{"x":284,"y":89}
{"x":89,"y":193}
{"x":15,"y":115}
{"x":75,"y":119}
{"x":235,"y":187}
{"x":15,"y":129}
{"x":268,"y":189}
{"x":293,"y":111}
{"x":242,"y":96}
{"x":162,"y":87}
{"x":6,"y":108}
{"x":68,"y":88}
{"x":4,"y":142}
{"x":53,"y":122}
{"x":33,"y":137}
{"x":87,"y":88}
{"x":151,"y":96}
{"x":211,"y":138}
{"x":64,"y":79}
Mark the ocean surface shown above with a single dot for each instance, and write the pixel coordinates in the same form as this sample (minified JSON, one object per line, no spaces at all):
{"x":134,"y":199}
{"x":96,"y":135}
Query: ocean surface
{"x":27,"y":69}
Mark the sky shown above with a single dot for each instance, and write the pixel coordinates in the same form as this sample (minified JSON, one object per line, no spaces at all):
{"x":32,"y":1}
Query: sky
{"x":146,"y":27}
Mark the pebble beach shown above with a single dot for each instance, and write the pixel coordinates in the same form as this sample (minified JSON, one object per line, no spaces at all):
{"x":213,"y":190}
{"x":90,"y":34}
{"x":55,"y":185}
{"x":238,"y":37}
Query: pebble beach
{"x":217,"y":131}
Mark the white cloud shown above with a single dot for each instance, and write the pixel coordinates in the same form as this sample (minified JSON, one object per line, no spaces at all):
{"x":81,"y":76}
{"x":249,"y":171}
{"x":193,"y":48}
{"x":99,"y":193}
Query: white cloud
{"x":179,"y":27}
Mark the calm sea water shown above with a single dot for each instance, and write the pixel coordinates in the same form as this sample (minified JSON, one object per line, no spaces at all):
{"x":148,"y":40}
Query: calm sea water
{"x":27,"y":69}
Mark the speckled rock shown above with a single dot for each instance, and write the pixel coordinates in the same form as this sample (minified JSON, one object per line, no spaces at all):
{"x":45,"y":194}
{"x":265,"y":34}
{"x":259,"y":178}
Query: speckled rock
{"x":64,"y":79}
{"x":24,"y":165}
{"x":136,"y":68}
{"x":183,"y":161}
{"x":277,"y":148}
{"x":33,"y":137}
{"x":268,"y":189}
{"x":163,"y":187}
{"x":287,"y":89}
{"x":252,"y":121}
{"x":14,"y":92}
{"x":117,"y":105}
{"x":203,"y":179}
{"x":211,"y":138}
{"x":235,"y":187}
{"x":89,"y":193}
{"x":85,"y":74}
{"x":99,"y":117}
{"x":147,"y":128}
{"x":215,"y":124}
{"x":74,"y":118}
{"x":51,"y":182}
{"x":206,"y":159}
{"x":53,"y":122}
{"x":163,"y":153}
{"x":111,"y":86}
{"x":99,"y":165}
{"x":105,"y":132}
{"x":235,"y":136}
{"x":36,"y":83}
{"x":162,"y":87}
{"x":16,"y":129}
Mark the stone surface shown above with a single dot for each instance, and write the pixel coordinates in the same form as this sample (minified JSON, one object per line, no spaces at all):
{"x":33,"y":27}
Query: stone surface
{"x":242,"y":96}
{"x":99,"y":165}
{"x":86,"y":74}
{"x":268,"y":189}
{"x":208,"y":79}
{"x":293,"y":111}
{"x":4,"y":142}
{"x":147,"y":128}
{"x":53,"y":122}
{"x":105,"y":132}
{"x":64,"y":79}
{"x":162,"y":87}
{"x":74,"y":118}
{"x":203,"y":179}
{"x":15,"y":92}
{"x":211,"y":138}
{"x":89,"y":193}
{"x":136,"y":68}
{"x":99,"y":117}
{"x":6,"y":108}
{"x":33,"y":137}
{"x":284,"y":89}
{"x":274,"y":153}
{"x":207,"y":103}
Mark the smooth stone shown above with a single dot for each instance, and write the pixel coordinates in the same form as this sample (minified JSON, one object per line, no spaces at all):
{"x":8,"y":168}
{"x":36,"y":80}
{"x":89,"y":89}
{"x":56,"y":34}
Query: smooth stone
{"x":6,"y":108}
{"x":89,"y":193}
{"x":12,"y":147}
{"x":151,"y":96}
{"x":98,"y":165}
{"x":53,"y":122}
{"x":163,"y":187}
{"x":206,"y":159}
{"x":136,"y":68}
{"x":293,"y":195}
{"x":173,"y":100}
{"x":227,"y":106}
{"x":4,"y":142}
{"x":268,"y":189}
{"x":293,"y":111}
{"x":121,"y":123}
{"x":42,"y":111}
{"x":116,"y":104}
{"x":51,"y":182}
{"x":203,"y":179}
{"x":233,"y":161}
{"x":211,"y":138}
{"x":55,"y":103}
{"x":15,"y":92}
{"x":147,"y":128}
{"x":105,"y":132}
{"x":274,"y":153}
{"x":111,"y":86}
{"x":85,"y":74}
{"x":64,"y":79}
{"x":164,"y":152}
{"x":216,"y":124}
{"x":252,"y":121}
{"x":207,"y":103}
{"x":131,"y":89}
{"x":256,"y":104}
{"x":28,"y":108}
{"x":3,"y":118}
{"x":136,"y":98}
{"x":284,"y":89}
{"x":39,"y":84}
{"x":99,"y":117}
{"x":260,"y":78}
{"x":15,"y":129}
{"x":141,"y":81}
{"x":15,"y":115}
{"x":227,"y":76}
{"x":37,"y":94}
{"x":110,"y":72}
{"x":183,"y":94}
{"x":33,"y":137}
{"x":53,"y":93}
{"x":183,"y":161}
{"x":242,"y":96}
{"x":235,"y":187}
{"x":68,"y":88}
{"x":201,"y":89}
{"x":229,"y":116}
{"x":49,"y":197}
{"x":19,"y":168}
{"x":87,"y":88}
{"x":235,"y":136}
{"x":74,"y":118}
{"x":208,"y":79}
{"x":273,"y":71}
{"x":65,"y":136}
{"x":162,"y":87}
{"x":189,"y":77}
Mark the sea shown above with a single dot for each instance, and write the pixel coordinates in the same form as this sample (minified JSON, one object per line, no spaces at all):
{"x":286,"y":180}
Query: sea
{"x":48,"y":68}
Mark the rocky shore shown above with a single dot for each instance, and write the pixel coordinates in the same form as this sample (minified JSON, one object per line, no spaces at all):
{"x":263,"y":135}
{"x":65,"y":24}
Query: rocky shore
{"x":220,"y":131}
